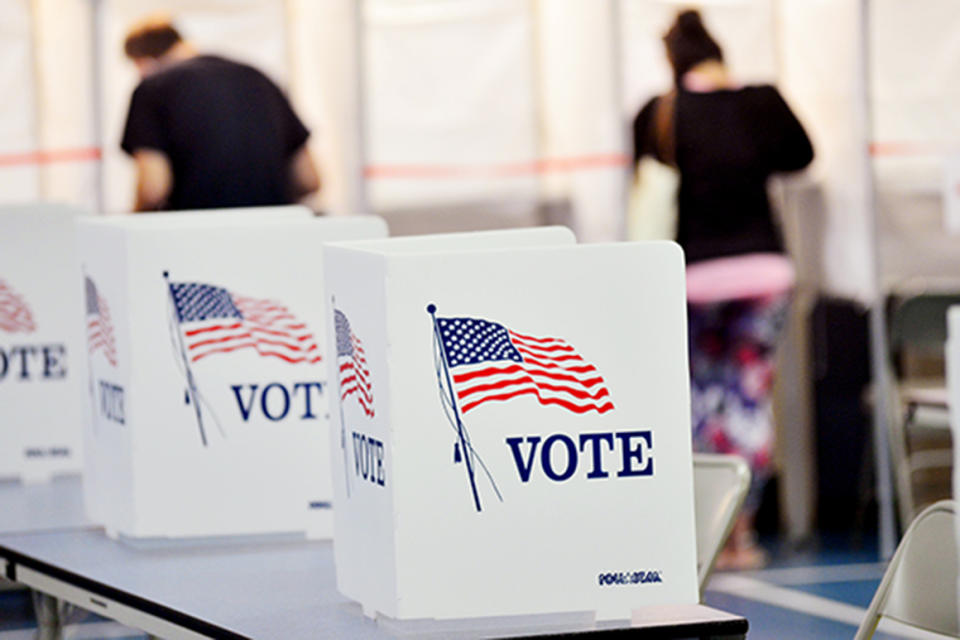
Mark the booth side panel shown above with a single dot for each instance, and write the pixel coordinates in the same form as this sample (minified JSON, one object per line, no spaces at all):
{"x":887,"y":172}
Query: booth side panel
{"x":108,"y":466}
{"x":362,"y":438}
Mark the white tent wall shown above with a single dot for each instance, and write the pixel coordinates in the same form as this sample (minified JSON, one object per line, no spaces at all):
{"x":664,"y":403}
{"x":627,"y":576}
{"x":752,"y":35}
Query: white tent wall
{"x":581,"y":118}
{"x":449,"y":105}
{"x":19,"y":129}
{"x":251,"y":31}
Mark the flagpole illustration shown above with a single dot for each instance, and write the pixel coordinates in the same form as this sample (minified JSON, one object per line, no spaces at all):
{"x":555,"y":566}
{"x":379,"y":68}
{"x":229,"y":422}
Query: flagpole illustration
{"x":461,"y":430}
{"x":193,"y":394}
{"x":343,"y":429}
{"x":90,"y":380}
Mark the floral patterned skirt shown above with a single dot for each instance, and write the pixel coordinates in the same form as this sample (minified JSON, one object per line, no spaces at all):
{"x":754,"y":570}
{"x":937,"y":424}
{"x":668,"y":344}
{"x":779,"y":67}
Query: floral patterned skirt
{"x":732,"y":350}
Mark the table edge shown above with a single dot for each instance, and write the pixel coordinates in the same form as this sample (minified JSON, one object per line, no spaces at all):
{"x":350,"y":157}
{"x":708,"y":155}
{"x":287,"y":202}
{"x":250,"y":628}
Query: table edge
{"x":155,"y":609}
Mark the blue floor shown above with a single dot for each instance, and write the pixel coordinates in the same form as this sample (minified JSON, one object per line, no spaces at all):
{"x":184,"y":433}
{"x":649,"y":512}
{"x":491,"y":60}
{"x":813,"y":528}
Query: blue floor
{"x":16,"y":610}
{"x":767,"y":621}
{"x":855,"y":592}
{"x":820,"y":591}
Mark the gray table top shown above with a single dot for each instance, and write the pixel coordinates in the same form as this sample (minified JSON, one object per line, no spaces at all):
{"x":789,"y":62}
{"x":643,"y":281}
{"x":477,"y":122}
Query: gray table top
{"x":253,"y":589}
{"x":49,"y":506}
{"x":269,"y":590}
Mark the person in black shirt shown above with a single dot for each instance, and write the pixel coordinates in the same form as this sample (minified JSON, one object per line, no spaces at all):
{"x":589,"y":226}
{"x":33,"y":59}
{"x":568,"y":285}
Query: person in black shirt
{"x":727,"y":140}
{"x":208,"y":132}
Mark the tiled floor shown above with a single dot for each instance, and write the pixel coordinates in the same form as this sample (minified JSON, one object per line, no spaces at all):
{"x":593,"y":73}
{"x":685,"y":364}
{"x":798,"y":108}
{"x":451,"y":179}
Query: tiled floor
{"x":818,"y":593}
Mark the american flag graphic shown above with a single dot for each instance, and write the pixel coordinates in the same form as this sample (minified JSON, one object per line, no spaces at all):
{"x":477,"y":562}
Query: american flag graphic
{"x":214,"y":320}
{"x":352,"y":361}
{"x":100,"y":335}
{"x":489,"y":362}
{"x":15,"y":315}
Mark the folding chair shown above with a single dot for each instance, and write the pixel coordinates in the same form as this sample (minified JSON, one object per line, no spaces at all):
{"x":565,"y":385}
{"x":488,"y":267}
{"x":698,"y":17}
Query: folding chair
{"x":919,"y":588}
{"x":918,"y":327}
{"x":720,"y":484}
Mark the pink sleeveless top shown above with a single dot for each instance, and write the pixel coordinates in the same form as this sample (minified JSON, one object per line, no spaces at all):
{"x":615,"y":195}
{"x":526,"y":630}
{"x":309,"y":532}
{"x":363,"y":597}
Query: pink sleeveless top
{"x":752,"y":275}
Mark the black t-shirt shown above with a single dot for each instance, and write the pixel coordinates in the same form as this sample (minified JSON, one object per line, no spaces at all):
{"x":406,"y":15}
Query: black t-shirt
{"x":728,"y":143}
{"x":228,"y":131}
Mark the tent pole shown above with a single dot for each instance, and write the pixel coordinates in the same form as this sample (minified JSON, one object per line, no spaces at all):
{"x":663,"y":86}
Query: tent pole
{"x":626,"y":130}
{"x":43,"y":191}
{"x":878,"y":321}
{"x":358,"y":195}
{"x":96,"y":99}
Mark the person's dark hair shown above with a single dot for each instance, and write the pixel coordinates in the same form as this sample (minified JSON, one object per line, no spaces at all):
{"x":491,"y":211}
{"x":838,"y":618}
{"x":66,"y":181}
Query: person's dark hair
{"x":689,"y":44}
{"x":151,"y":40}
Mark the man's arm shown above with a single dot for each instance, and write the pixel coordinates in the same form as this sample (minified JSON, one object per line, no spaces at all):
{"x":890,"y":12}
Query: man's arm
{"x":304,"y":178}
{"x":154,"y":179}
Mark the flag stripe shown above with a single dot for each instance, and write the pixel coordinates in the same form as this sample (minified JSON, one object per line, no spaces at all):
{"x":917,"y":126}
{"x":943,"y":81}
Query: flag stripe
{"x":503,"y":384}
{"x":216,"y":327}
{"x":532,"y":338}
{"x":536,"y":348}
{"x":584,"y":368}
{"x":480,"y":373}
{"x":350,"y":383}
{"x":569,"y":406}
{"x":262,"y":352}
{"x":533,"y":354}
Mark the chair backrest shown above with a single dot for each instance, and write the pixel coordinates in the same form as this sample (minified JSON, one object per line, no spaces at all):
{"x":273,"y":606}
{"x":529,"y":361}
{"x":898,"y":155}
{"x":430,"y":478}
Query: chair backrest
{"x":920,"y":321}
{"x":720,"y":484}
{"x":919,"y":588}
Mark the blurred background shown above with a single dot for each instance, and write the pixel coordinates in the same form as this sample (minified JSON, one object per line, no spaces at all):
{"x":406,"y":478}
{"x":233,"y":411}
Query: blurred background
{"x":445,"y":115}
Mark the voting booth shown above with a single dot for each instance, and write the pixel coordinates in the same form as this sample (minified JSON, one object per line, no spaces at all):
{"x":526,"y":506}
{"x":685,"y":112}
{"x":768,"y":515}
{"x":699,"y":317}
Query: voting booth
{"x":208,"y":379}
{"x":41,"y":344}
{"x":513,"y":431}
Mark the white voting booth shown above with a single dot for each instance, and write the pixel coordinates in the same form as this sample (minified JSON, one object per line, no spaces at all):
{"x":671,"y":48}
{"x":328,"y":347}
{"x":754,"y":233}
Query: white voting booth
{"x":208,"y":378}
{"x":513,"y":435}
{"x":41,"y":344}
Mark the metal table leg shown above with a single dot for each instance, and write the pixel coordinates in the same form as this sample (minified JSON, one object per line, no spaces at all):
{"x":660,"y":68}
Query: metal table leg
{"x":51,"y":614}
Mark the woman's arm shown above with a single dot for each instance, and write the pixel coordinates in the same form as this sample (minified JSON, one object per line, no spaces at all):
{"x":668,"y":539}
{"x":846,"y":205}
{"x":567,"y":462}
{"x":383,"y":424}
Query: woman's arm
{"x":790,"y":148}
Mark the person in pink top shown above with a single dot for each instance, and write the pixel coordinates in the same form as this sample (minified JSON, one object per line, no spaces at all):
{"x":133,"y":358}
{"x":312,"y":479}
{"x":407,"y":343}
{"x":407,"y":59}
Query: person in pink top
{"x":727,"y":140}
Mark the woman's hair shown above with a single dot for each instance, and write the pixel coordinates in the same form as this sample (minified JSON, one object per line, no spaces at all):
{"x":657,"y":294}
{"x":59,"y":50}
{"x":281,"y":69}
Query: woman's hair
{"x":689,"y":44}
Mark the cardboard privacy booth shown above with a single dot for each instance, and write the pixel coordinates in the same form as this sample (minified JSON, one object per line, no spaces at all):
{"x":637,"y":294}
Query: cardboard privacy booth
{"x":41,"y":344}
{"x":208,"y":378}
{"x":513,"y":435}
